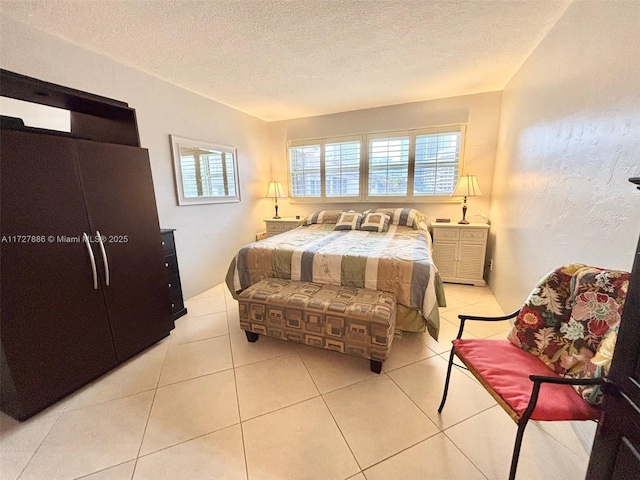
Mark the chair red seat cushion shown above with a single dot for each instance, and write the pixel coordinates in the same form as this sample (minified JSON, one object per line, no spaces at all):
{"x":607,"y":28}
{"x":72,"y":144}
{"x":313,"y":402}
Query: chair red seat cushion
{"x":506,"y":369}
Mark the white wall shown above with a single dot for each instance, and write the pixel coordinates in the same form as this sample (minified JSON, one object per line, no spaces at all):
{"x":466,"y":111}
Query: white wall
{"x":480,"y":112}
{"x":569,"y":139}
{"x":207,"y":236}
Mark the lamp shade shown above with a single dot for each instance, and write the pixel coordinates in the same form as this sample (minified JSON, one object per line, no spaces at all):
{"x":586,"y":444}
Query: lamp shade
{"x":467,"y":187}
{"x":275,"y":190}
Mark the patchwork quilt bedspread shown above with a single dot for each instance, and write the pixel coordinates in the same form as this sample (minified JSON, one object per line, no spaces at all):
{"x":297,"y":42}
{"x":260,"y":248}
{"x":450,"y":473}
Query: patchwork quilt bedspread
{"x":397,"y":261}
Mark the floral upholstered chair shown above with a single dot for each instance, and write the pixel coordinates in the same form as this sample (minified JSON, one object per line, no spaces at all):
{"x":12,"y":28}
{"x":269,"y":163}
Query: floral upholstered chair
{"x":564,"y":337}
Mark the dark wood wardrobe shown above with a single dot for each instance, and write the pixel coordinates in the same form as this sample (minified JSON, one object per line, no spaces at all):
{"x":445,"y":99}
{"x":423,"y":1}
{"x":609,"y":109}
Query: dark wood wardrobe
{"x":83,"y":285}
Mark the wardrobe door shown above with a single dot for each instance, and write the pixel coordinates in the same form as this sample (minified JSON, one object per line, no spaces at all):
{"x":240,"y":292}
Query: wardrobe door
{"x":54,"y":329}
{"x":118,"y":191}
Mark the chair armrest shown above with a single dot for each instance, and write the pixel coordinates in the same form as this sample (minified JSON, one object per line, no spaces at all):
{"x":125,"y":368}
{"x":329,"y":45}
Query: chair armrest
{"x":566,"y":380}
{"x":538,"y":380}
{"x":464,"y":318}
{"x":489,"y":319}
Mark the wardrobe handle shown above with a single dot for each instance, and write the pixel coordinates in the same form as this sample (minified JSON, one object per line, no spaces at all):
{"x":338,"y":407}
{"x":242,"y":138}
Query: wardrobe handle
{"x":105,"y":261}
{"x":85,"y":238}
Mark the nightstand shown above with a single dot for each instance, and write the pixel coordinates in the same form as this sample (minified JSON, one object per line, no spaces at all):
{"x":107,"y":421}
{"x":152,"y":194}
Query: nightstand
{"x":459,"y":251}
{"x":279,"y":225}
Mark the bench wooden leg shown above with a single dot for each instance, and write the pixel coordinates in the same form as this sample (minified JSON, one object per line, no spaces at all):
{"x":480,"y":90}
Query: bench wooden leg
{"x":376,"y":366}
{"x":251,"y":336}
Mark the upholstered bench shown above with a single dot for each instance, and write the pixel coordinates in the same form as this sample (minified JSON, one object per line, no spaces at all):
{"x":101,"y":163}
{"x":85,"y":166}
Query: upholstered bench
{"x":355,"y":321}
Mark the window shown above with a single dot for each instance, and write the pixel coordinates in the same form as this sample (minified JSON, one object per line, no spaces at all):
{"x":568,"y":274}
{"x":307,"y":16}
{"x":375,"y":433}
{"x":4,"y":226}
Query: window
{"x":328,"y":168}
{"x":412,"y":165}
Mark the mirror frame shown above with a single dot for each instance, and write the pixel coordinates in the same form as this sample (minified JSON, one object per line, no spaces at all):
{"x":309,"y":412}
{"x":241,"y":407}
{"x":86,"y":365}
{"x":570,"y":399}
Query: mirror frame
{"x":176,"y":143}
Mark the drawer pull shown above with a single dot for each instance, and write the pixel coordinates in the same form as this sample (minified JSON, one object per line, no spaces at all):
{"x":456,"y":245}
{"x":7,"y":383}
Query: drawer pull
{"x":166,"y":264}
{"x":169,"y":285}
{"x":173,"y":305}
{"x":163,"y":244}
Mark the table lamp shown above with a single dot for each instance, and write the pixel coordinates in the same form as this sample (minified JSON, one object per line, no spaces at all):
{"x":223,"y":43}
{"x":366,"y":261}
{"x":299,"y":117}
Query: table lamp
{"x":276,"y":191}
{"x":467,"y":187}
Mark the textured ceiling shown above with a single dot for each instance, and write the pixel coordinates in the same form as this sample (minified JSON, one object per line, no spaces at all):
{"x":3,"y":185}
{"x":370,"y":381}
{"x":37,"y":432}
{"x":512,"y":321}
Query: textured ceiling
{"x":278,"y":59}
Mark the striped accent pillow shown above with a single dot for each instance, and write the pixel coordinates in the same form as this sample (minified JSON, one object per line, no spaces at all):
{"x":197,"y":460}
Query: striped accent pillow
{"x":349,"y":221}
{"x":409,"y":217}
{"x":323,"y":216}
{"x":375,"y":222}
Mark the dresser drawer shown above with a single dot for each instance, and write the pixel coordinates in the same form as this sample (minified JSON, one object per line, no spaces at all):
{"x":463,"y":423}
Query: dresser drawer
{"x":479,"y":234}
{"x":446,"y":233}
{"x":168,"y":245}
{"x":171,"y":263}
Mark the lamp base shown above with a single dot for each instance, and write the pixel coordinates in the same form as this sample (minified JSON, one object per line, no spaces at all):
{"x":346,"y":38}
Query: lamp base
{"x":464,"y":220}
{"x":278,"y":216}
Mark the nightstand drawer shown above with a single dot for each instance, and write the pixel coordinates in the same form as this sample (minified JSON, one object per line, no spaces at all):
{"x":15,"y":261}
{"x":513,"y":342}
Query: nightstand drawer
{"x":445,"y":233}
{"x":273,"y":227}
{"x":479,"y":235}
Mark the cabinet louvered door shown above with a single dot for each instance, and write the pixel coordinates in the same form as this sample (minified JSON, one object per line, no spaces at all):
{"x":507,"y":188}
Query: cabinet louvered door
{"x":445,"y":258}
{"x":54,"y":329}
{"x":470,"y":263}
{"x":120,"y":199}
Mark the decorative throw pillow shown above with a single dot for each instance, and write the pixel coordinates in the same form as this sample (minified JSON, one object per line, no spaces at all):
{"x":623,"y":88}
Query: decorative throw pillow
{"x":349,"y":221}
{"x":403,"y":217}
{"x":375,"y":222}
{"x":323,"y":216}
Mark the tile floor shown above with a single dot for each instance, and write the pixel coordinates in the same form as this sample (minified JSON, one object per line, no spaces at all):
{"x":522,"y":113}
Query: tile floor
{"x":206,"y":404}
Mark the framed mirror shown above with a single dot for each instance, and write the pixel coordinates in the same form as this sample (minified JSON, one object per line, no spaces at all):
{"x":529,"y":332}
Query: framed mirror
{"x":205,"y":172}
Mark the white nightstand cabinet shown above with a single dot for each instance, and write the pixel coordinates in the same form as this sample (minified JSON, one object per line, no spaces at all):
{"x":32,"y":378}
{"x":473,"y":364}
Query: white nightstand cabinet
{"x":459,"y":251}
{"x":279,"y":225}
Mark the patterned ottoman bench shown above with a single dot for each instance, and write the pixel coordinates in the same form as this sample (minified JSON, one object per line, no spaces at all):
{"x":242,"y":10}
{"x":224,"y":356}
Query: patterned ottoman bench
{"x":350,"y":320}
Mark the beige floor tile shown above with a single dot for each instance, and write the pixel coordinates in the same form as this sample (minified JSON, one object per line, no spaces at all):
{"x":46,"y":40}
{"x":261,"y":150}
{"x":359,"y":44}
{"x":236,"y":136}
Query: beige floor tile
{"x":137,"y":375}
{"x":298,"y":442}
{"x":487,"y":440}
{"x":20,"y":440}
{"x":216,"y":291}
{"x":406,"y":348}
{"x":205,"y":305}
{"x":233,"y":318}
{"x":218,"y":455}
{"x":333,"y":370}
{"x":572,"y":435}
{"x":437,"y":458}
{"x":272,"y":384}
{"x":448,"y":331}
{"x":191,"y":329}
{"x":120,"y":472}
{"x":91,"y":439}
{"x":467,"y":293}
{"x":359,"y":476}
{"x":377,"y":419}
{"x":245,"y":352}
{"x":453,"y":302}
{"x":423,"y":382}
{"x":194,"y":359}
{"x":186,"y":410}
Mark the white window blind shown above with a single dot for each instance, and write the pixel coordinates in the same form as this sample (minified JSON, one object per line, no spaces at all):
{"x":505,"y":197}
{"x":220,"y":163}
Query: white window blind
{"x":342,"y":169}
{"x":304,"y":171}
{"x":436,"y":165}
{"x":388,"y":166}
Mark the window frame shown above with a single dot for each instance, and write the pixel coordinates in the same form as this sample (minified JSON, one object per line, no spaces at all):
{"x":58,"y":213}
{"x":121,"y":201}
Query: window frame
{"x":364,"y":196}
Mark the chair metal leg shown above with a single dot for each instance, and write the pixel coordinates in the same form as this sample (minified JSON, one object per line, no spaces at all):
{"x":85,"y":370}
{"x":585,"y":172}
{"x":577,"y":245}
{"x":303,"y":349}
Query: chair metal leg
{"x":446,"y":382}
{"x":522,"y":423}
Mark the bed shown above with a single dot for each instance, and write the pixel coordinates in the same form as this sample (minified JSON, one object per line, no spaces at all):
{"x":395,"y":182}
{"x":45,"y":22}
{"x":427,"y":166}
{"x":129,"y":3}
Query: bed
{"x":397,"y":260}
